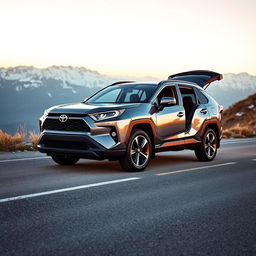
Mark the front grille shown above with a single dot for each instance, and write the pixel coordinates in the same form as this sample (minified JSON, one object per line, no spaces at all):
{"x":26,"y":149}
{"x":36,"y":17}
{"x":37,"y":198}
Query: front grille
{"x":77,"y":125}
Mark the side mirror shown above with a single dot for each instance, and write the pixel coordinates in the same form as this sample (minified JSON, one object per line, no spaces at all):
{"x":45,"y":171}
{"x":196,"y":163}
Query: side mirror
{"x":167,"y":101}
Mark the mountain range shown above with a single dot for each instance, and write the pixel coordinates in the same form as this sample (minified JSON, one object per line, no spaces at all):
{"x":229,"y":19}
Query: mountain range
{"x":25,"y":91}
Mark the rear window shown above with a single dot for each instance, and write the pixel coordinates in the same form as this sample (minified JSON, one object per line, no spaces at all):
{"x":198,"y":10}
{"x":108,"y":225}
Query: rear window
{"x":201,"y":97}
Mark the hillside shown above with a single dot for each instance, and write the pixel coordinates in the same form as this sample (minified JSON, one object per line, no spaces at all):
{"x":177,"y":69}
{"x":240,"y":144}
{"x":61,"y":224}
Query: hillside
{"x":239,"y":120}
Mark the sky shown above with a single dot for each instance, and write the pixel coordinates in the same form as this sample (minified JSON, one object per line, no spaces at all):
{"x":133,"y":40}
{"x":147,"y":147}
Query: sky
{"x":136,"y":37}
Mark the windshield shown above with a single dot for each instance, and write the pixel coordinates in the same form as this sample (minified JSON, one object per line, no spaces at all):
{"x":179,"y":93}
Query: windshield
{"x":124,"y":93}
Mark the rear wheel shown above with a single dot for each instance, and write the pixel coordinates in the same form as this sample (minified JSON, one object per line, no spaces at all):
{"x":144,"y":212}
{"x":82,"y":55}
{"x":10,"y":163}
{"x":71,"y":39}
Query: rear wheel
{"x":138,"y":152}
{"x":65,"y":160}
{"x":208,"y":147}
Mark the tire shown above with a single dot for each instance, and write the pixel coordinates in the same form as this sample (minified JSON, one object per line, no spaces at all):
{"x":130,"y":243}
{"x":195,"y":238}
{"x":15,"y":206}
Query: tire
{"x":138,"y":154}
{"x":208,"y":146}
{"x":65,"y":160}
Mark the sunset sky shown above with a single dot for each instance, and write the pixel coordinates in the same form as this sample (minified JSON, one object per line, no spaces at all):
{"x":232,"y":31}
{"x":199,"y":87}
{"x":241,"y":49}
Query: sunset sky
{"x":135,"y":37}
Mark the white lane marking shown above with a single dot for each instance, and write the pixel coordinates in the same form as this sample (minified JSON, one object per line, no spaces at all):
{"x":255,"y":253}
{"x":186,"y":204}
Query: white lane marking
{"x":254,"y":159}
{"x":24,"y":159}
{"x":195,"y":168}
{"x":239,"y":141}
{"x":66,"y":189}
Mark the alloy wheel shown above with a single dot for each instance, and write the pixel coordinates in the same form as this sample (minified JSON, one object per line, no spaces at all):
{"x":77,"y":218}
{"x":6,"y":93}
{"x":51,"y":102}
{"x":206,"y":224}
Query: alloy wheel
{"x":140,"y":150}
{"x":210,"y":144}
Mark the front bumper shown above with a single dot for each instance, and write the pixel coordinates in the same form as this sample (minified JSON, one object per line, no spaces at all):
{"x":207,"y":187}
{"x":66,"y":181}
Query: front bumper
{"x":80,"y":145}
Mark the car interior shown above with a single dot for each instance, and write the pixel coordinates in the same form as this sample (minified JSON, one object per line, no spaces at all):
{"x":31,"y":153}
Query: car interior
{"x":189,"y":103}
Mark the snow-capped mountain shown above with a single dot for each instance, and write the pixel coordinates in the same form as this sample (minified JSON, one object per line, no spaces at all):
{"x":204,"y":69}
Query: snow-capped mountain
{"x":25,"y":91}
{"x":67,"y":75}
{"x":233,"y":88}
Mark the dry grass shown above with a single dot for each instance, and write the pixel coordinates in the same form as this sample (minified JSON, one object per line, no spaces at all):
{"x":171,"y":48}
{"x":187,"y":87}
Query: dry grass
{"x":18,"y":141}
{"x":239,"y":132}
{"x":33,"y":139}
{"x":12,"y":142}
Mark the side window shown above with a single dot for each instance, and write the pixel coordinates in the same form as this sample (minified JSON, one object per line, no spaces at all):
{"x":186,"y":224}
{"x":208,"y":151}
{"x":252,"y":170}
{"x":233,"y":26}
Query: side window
{"x":201,"y":97}
{"x":168,"y":91}
{"x":188,"y":92}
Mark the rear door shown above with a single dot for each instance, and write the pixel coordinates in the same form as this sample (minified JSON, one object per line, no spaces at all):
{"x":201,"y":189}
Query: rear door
{"x":198,"y":112}
{"x":201,"y":77}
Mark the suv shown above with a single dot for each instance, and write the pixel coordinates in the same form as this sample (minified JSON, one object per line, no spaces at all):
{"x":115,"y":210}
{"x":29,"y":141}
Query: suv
{"x":131,"y":122}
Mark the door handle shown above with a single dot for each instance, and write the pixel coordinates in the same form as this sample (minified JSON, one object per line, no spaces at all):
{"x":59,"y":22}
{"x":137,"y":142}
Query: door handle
{"x":203,"y":110}
{"x":180,"y":114}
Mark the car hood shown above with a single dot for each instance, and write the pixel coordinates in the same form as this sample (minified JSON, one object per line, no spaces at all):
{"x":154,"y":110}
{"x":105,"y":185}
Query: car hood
{"x":83,"y":108}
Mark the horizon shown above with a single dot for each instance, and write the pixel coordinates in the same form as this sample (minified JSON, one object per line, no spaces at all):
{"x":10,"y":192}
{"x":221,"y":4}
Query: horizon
{"x":130,"y":38}
{"x":109,"y":75}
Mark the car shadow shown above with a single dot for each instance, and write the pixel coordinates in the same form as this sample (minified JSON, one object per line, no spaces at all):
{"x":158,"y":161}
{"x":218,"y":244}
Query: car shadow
{"x":111,"y":167}
{"x":89,"y":167}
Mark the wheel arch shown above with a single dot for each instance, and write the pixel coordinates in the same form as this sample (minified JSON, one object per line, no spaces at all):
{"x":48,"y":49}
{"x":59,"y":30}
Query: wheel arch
{"x":214,"y":125}
{"x":147,"y":127}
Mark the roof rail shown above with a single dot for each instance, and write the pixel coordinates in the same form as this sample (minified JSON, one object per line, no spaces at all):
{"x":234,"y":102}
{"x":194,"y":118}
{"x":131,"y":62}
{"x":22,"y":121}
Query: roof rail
{"x":122,"y":82}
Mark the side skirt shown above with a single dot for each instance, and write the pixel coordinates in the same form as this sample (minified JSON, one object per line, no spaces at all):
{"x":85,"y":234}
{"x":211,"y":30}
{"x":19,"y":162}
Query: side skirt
{"x":178,"y":144}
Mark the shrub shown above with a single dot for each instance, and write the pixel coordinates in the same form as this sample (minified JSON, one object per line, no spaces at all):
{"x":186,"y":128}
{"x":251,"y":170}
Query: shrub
{"x":33,"y":139}
{"x":12,"y":142}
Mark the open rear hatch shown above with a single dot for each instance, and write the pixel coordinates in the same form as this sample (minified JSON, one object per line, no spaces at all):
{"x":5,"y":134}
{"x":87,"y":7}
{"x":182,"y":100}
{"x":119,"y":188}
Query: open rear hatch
{"x":201,"y":77}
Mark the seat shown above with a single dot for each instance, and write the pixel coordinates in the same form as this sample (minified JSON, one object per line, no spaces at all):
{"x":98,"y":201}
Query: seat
{"x":134,"y":98}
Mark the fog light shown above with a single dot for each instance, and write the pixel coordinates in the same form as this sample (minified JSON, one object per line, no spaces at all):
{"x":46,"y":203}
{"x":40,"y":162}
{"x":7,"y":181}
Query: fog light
{"x":113,"y":134}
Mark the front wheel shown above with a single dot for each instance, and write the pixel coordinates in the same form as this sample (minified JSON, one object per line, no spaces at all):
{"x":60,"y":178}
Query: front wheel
{"x":208,"y":147}
{"x":65,"y":160}
{"x":138,"y":152}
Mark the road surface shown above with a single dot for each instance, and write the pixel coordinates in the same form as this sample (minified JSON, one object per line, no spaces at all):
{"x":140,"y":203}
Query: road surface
{"x":178,"y":206}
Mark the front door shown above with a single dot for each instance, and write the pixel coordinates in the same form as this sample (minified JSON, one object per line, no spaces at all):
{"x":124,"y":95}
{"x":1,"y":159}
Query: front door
{"x":171,"y":119}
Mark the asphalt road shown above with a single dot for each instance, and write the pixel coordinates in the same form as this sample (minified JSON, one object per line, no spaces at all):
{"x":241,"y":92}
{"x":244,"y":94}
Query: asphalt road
{"x":178,"y":206}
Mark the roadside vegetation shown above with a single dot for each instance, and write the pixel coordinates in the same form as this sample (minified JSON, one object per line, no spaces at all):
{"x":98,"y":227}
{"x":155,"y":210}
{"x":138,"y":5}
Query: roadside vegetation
{"x":33,"y":139}
{"x":19,"y":141}
{"x":239,"y":132}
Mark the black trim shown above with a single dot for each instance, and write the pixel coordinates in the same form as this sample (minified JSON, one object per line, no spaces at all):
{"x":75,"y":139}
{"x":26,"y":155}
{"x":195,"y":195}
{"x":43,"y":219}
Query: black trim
{"x":179,"y":147}
{"x":81,"y":146}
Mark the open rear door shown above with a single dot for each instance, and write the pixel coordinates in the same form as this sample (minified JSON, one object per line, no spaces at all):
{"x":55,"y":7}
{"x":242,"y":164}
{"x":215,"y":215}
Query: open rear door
{"x":200,"y":77}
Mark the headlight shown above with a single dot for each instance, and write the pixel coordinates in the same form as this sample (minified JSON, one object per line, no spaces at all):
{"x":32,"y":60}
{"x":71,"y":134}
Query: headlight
{"x":106,"y":115}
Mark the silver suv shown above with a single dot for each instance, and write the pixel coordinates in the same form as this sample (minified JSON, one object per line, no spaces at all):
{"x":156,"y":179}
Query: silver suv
{"x":131,"y":122}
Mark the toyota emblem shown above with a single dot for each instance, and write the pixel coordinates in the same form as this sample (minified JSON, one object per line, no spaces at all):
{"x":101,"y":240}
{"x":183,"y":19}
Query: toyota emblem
{"x":63,"y":118}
